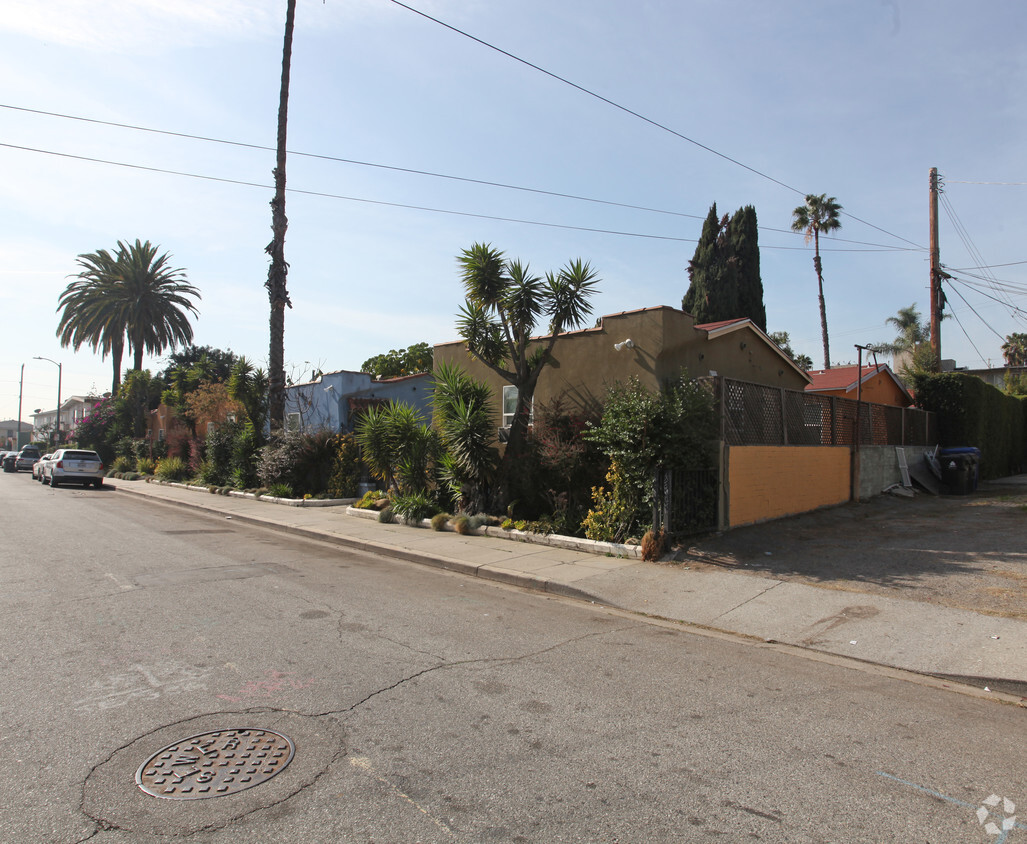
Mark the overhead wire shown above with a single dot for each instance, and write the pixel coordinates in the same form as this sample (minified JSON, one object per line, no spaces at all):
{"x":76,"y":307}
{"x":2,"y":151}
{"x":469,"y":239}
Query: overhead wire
{"x":428,"y":173}
{"x":663,"y":127}
{"x":407,"y":206}
{"x":1000,"y":292}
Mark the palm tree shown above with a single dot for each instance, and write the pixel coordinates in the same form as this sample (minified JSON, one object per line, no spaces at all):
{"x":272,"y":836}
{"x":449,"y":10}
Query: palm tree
{"x":87,"y":317}
{"x":912,"y":331}
{"x":277,"y":291}
{"x":134,"y":296}
{"x":1014,"y":350}
{"x":819,"y":214}
{"x":153,"y":299}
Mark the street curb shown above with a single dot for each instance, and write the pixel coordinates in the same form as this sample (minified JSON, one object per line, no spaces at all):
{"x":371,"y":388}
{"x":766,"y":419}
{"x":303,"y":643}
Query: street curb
{"x":485,"y":572}
{"x":552,"y":540}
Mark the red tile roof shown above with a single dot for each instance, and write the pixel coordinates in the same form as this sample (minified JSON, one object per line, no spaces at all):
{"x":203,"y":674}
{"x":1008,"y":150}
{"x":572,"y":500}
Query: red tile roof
{"x":712,"y":326}
{"x":842,"y":377}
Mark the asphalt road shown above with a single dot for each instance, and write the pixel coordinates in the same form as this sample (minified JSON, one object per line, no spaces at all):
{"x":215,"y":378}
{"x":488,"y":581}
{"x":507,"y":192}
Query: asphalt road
{"x":428,"y":707}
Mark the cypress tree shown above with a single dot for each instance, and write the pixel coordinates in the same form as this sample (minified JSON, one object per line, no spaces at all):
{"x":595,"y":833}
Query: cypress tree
{"x":743,"y":234}
{"x":724,"y":272}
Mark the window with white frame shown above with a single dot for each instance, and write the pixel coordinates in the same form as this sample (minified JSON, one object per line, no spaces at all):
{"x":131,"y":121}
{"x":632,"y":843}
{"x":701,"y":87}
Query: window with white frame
{"x":510,"y":406}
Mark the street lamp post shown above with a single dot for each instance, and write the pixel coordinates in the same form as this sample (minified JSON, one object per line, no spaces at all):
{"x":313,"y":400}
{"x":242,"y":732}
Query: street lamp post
{"x":57,"y":424}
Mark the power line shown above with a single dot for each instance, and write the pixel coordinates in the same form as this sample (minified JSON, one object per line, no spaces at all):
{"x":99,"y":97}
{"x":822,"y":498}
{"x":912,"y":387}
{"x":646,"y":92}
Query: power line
{"x":634,"y":113}
{"x":990,"y":266}
{"x":971,"y":307}
{"x":405,"y":206}
{"x":412,"y":171}
{"x":961,"y":182}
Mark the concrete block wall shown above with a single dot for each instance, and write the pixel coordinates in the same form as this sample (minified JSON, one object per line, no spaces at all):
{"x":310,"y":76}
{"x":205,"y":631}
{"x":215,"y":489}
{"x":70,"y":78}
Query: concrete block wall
{"x":879,"y":467}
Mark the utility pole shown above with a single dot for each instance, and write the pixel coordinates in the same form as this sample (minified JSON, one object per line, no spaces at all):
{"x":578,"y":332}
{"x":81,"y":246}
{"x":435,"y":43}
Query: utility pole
{"x":21,"y":387}
{"x":937,"y":295}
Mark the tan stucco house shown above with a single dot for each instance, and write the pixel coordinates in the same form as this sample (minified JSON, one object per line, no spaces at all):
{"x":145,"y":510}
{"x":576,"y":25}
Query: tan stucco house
{"x":652,"y":345}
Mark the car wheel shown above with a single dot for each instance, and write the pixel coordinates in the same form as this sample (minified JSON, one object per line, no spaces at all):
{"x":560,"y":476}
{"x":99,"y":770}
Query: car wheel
{"x":53,"y":482}
{"x":97,"y":484}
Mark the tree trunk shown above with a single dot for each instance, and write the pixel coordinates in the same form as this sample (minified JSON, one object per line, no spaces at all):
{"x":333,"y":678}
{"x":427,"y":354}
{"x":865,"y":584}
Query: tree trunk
{"x":820,"y":288}
{"x":277,"y":290}
{"x":117,"y":353}
{"x":508,"y":481}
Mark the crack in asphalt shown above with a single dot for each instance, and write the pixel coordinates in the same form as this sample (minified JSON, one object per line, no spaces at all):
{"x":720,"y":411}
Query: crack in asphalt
{"x":481,"y":661}
{"x":102,"y":824}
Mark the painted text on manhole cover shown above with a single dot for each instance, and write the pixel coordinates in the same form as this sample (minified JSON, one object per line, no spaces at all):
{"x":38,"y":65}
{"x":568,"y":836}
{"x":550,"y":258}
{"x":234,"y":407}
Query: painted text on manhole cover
{"x":215,"y":764}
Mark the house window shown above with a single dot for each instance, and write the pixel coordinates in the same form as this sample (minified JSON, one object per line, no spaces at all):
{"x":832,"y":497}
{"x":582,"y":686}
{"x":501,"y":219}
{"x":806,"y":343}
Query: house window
{"x":510,"y":406}
{"x":292,"y":422}
{"x":210,"y":427}
{"x":161,"y":435}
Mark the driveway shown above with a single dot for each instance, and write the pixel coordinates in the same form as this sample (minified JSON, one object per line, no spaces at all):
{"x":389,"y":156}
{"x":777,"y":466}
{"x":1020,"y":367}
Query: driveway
{"x":968,"y":552}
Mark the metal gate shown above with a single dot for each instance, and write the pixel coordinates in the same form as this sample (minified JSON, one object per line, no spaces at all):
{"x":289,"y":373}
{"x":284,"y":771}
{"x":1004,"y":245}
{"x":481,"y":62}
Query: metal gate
{"x":686,"y":501}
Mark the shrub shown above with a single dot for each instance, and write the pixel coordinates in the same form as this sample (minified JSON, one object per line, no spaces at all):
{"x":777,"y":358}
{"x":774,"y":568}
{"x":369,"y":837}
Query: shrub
{"x":346,"y":467}
{"x":466,"y":426}
{"x":653,"y":544}
{"x":414,"y":507}
{"x":123,"y":464}
{"x":462,"y":525}
{"x":172,"y":469}
{"x":370,"y":499}
{"x":276,"y":460}
{"x":216,"y":467}
{"x":386,"y":516}
{"x":245,"y":453}
{"x":144,"y":465}
{"x":312,"y":461}
{"x":398,"y":447}
{"x":439,"y":521}
{"x":614,"y":510}
{"x":280,"y":490}
{"x":639,"y":432}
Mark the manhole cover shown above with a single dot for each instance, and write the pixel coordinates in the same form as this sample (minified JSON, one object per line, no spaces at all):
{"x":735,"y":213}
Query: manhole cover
{"x":215,"y":764}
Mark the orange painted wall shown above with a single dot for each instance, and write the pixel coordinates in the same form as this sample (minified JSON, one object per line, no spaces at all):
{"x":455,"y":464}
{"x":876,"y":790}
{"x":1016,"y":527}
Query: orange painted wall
{"x":768,"y":482}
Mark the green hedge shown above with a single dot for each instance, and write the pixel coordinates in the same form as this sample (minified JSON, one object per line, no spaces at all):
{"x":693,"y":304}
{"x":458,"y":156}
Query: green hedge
{"x":973,"y":413}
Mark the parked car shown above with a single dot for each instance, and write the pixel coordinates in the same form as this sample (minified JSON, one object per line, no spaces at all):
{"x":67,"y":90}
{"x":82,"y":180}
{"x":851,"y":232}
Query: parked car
{"x":73,"y":465}
{"x":37,"y":467}
{"x":27,"y":457}
{"x":10,"y":461}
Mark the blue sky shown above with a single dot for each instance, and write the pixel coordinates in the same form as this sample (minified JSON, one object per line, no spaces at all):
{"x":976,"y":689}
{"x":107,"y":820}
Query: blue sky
{"x":855,"y":100}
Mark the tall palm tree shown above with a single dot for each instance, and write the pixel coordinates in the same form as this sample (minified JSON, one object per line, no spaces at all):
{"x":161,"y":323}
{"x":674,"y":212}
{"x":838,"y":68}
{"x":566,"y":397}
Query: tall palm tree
{"x":153,"y":299}
{"x":277,"y":291}
{"x":134,"y":296}
{"x":87,"y":317}
{"x":819,"y":214}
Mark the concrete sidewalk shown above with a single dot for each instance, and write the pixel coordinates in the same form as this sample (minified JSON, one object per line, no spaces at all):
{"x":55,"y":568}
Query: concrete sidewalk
{"x":910,"y":635}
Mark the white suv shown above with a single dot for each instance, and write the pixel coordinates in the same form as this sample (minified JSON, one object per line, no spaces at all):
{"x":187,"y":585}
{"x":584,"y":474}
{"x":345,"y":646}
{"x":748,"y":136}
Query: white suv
{"x":73,"y":465}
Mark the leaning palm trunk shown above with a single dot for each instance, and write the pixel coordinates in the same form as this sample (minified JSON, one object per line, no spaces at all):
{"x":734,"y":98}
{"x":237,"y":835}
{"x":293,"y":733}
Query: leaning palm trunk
{"x":277,"y":291}
{"x":823,"y":305}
